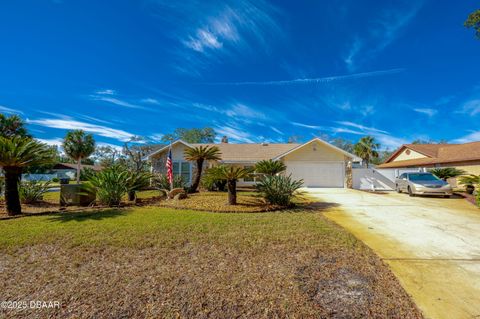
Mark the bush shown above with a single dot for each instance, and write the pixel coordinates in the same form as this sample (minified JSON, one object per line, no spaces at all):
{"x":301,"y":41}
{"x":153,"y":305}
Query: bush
{"x":2,"y":185}
{"x":211,"y":183}
{"x":86,"y":173}
{"x":160,"y":181}
{"x":55,"y":180}
{"x":279,"y":189}
{"x":110,"y":185}
{"x":32,"y":191}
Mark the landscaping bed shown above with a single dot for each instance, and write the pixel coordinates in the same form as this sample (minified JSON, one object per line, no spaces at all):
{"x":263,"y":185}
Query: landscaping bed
{"x":157,"y":262}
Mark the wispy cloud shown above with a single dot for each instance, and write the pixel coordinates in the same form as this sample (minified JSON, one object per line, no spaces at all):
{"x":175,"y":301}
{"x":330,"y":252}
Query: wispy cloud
{"x":276,"y":130}
{"x":313,"y":127}
{"x":111,"y":96}
{"x":383,"y":137}
{"x":383,"y":31}
{"x":67,"y":123}
{"x":471,"y":107}
{"x":474,"y":136}
{"x":150,"y":101}
{"x":241,"y":110}
{"x":57,"y":141}
{"x":9,"y":110}
{"x":106,"y":92}
{"x":156,"y":137}
{"x":426,"y":111}
{"x":361,"y":127}
{"x":235,"y":134}
{"x":321,"y":80}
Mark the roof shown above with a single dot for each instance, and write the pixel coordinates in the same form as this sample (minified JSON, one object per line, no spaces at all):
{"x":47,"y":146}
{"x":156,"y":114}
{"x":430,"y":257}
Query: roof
{"x":74,"y":166}
{"x":252,"y":152}
{"x":436,"y":154}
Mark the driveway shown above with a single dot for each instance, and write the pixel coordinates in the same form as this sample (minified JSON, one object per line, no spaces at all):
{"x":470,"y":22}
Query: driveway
{"x":431,"y":244}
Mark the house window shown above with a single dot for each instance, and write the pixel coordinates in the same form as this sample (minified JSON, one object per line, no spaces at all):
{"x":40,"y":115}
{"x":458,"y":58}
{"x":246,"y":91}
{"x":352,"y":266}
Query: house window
{"x":250,"y":178}
{"x":182,"y":169}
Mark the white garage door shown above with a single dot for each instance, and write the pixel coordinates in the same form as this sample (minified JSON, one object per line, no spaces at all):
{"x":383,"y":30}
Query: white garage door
{"x":317,"y":174}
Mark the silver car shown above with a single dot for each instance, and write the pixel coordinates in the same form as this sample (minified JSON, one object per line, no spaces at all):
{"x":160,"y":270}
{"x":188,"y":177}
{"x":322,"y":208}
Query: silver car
{"x":422,"y":184}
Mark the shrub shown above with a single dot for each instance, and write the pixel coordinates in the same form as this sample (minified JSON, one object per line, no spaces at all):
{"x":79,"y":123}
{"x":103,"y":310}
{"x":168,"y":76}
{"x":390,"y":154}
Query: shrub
{"x":55,"y":180}
{"x":32,"y":191}
{"x":279,"y":189}
{"x":212,"y":183}
{"x":446,"y":172}
{"x":160,"y":181}
{"x":270,"y":167}
{"x":112,"y":183}
{"x":86,"y":173}
{"x":2,"y":185}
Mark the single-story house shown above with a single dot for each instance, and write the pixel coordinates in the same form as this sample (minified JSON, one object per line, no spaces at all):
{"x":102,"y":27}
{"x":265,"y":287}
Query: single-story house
{"x":69,"y":170}
{"x":317,"y":162}
{"x":423,"y":156}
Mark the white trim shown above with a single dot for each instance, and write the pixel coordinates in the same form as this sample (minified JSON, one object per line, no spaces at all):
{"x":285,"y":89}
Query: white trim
{"x":316,"y":139}
{"x":166,"y":147}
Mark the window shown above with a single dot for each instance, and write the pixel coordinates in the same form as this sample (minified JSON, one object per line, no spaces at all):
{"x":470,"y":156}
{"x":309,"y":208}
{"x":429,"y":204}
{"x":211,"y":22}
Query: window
{"x":250,"y":178}
{"x":182,"y":169}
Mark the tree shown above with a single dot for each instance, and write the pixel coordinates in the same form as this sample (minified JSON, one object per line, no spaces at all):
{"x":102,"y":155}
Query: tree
{"x":473,"y":21}
{"x":194,"y":135}
{"x":199,"y":155}
{"x":446,"y":172}
{"x":230,"y":174}
{"x":270,"y":167}
{"x":12,"y":126}
{"x":343,"y":144}
{"x":366,"y":149}
{"x":294,"y":139}
{"x":15,"y":154}
{"x":106,"y":156}
{"x":78,"y":145}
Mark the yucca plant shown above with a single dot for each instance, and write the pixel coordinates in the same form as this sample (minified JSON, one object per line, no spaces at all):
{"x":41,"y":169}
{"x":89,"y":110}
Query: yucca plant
{"x":199,"y":155}
{"x":470,"y":182}
{"x":279,"y":189}
{"x":137,"y":180}
{"x":160,"y":181}
{"x":270,"y":167}
{"x":446,"y":172}
{"x":15,"y":154}
{"x":110,"y":185}
{"x":32,"y":191}
{"x":230,"y":174}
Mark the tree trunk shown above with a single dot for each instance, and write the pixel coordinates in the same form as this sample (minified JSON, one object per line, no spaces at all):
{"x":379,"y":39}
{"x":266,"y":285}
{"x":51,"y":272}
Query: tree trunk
{"x":131,"y":196}
{"x":198,"y":175}
{"x":12,"y":198}
{"x":232,"y":191}
{"x":78,"y":170}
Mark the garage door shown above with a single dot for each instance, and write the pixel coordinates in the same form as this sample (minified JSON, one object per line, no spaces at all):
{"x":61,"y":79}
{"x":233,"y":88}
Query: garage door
{"x":317,"y":174}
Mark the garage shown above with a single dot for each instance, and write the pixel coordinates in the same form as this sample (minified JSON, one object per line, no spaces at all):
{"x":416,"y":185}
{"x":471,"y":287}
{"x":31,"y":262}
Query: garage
{"x":317,"y":174}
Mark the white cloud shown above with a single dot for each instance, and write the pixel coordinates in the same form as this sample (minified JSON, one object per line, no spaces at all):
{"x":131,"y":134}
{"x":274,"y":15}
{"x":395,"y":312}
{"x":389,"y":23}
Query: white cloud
{"x":106,"y":92}
{"x":71,"y":124}
{"x":5,"y":109}
{"x":241,"y":110}
{"x":57,"y":141}
{"x":361,"y":127}
{"x":471,"y":107}
{"x":276,"y":130}
{"x":156,"y":137}
{"x":116,"y":101}
{"x":150,"y":101}
{"x":313,"y":127}
{"x":382,"y":32}
{"x":474,"y":136}
{"x":426,"y":111}
{"x":235,"y":134}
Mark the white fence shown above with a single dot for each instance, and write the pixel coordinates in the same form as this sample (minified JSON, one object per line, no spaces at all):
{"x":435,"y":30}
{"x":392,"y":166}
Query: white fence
{"x":378,"y":179}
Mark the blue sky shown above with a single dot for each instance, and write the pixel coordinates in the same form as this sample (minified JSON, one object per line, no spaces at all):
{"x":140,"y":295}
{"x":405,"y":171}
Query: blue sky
{"x":253,"y":70}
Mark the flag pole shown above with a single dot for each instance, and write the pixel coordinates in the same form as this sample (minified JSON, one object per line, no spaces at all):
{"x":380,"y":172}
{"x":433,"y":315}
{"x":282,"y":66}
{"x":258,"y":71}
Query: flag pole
{"x":170,"y":153}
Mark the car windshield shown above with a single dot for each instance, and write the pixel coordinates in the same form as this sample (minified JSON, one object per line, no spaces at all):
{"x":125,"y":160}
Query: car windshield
{"x":423,"y":177}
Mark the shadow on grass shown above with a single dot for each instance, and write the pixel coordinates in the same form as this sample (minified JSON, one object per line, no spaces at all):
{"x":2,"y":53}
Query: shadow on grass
{"x":90,"y":215}
{"x":320,"y":206}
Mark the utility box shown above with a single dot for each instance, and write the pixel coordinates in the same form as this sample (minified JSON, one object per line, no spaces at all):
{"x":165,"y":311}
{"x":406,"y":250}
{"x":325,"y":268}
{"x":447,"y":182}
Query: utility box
{"x":75,"y":195}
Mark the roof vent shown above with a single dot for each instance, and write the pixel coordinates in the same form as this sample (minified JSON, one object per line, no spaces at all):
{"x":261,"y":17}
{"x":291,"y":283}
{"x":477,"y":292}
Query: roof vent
{"x":264,"y":144}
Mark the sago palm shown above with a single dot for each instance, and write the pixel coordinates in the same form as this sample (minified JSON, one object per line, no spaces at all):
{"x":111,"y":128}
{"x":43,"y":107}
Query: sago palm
{"x":199,"y":155}
{"x":15,"y":154}
{"x":366,"y":149}
{"x":230,"y":174}
{"x":447,"y":172}
{"x":78,"y":145}
{"x":270,"y":167}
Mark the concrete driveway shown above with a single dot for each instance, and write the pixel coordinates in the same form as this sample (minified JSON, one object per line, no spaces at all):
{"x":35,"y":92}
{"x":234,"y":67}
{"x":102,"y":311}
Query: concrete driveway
{"x":431,"y":244}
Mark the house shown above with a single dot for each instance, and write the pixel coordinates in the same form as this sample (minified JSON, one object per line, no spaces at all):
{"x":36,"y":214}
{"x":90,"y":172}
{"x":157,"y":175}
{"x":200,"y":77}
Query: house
{"x":317,"y":162}
{"x":68,"y":170}
{"x":461,"y":156}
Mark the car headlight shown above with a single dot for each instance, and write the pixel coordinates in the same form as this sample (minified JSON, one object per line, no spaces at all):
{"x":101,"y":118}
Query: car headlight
{"x":418,"y":186}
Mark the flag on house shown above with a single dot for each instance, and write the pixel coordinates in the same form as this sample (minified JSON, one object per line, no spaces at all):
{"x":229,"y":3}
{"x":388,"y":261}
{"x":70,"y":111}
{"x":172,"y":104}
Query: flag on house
{"x":169,"y":166}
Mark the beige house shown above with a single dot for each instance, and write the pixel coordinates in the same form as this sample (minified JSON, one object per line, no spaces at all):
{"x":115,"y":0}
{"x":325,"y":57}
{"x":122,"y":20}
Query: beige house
{"x":317,"y":162}
{"x":462,"y":156}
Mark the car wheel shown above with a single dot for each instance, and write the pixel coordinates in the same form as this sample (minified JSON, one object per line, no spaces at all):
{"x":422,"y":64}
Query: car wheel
{"x":410,"y":193}
{"x":397,"y":188}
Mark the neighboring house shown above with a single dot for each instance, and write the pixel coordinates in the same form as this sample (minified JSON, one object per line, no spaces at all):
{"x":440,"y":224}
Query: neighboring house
{"x":68,"y":170}
{"x":317,"y":162}
{"x":461,"y":156}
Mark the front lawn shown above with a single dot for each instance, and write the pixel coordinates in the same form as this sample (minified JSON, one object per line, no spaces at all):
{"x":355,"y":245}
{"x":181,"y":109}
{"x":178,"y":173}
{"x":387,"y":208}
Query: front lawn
{"x":163,"y":263}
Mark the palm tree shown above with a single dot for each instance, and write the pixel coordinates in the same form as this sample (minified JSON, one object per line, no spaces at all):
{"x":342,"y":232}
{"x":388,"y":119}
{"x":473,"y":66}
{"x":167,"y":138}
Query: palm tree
{"x":12,"y":126}
{"x":270,"y":167}
{"x":366,"y":149}
{"x":230,"y":174}
{"x":199,"y":155}
{"x":78,"y":145}
{"x":15,"y":154}
{"x":447,"y":172}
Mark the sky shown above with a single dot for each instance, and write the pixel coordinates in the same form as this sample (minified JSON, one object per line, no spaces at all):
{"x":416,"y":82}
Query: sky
{"x":255,"y":71}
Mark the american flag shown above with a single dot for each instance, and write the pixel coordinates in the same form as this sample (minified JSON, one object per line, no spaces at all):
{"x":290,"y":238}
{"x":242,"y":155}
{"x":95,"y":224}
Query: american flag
{"x":169,"y":166}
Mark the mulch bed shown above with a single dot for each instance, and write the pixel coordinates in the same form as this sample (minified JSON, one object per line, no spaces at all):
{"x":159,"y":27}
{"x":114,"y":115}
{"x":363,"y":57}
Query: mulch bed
{"x":469,"y":197}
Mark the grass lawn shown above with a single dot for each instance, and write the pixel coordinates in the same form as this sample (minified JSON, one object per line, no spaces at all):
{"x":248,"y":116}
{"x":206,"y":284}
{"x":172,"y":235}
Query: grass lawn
{"x":164,"y":263}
